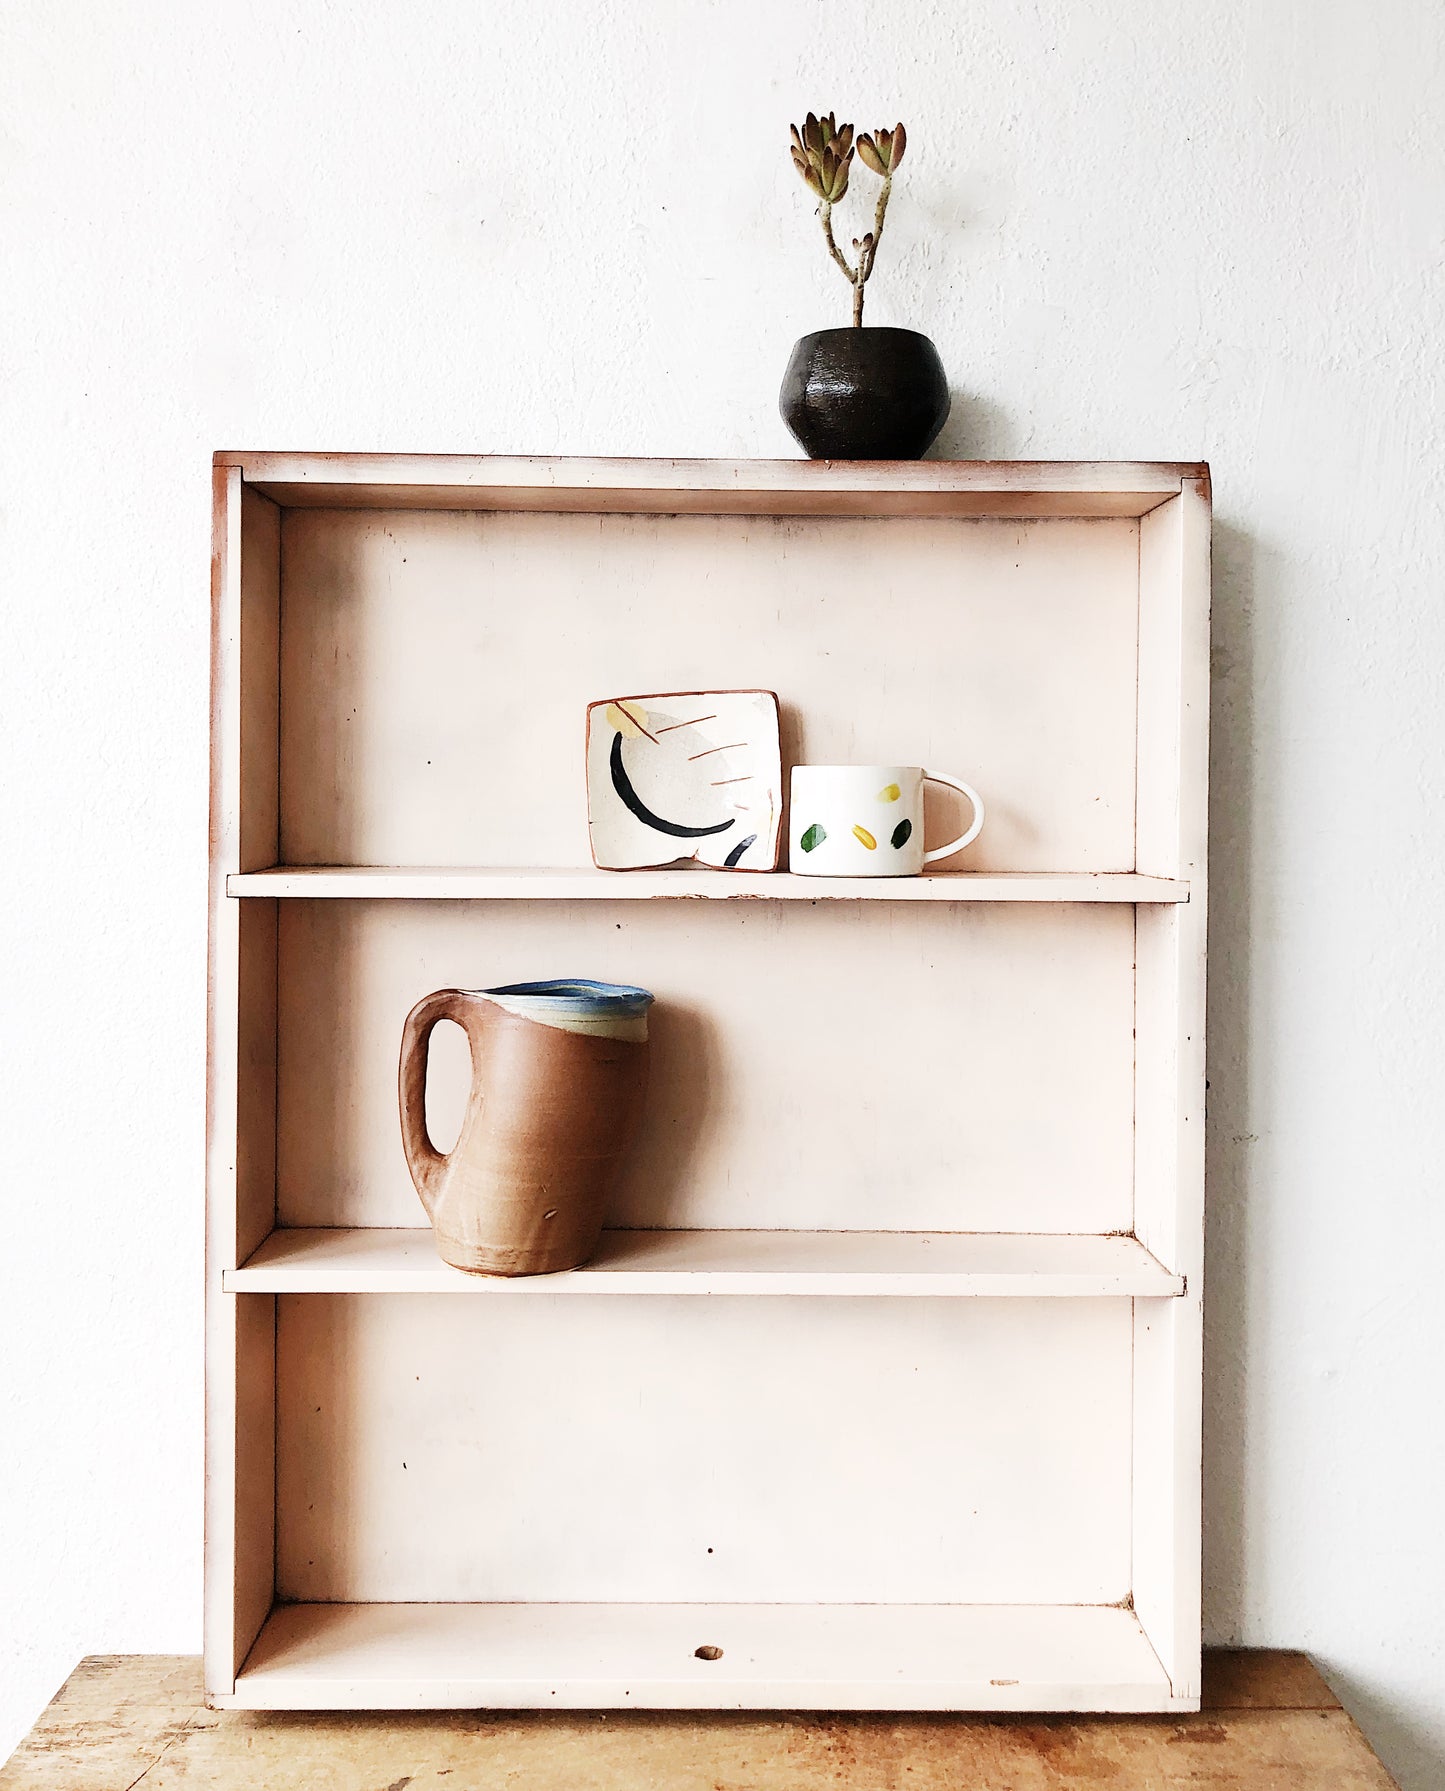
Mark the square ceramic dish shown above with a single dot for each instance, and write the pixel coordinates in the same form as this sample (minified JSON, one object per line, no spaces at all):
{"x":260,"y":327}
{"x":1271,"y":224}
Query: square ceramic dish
{"x":686,"y":775}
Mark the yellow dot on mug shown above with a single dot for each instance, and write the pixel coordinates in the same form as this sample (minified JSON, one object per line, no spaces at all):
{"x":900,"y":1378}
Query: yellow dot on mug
{"x":864,"y":838}
{"x":889,"y":793}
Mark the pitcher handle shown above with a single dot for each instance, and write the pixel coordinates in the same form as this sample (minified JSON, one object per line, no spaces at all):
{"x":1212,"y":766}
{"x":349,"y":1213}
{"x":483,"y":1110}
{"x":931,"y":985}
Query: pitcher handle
{"x":423,"y":1159}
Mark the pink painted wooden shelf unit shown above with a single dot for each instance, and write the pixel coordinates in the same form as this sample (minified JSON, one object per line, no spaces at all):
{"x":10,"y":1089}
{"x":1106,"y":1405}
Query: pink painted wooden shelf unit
{"x":886,"y":1383}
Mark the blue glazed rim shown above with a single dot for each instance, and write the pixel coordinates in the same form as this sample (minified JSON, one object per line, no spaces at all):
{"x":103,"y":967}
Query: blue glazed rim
{"x":580,"y":995}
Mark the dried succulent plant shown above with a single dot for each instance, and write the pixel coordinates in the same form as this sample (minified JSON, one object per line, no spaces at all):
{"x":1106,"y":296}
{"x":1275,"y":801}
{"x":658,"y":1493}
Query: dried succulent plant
{"x":823,"y":154}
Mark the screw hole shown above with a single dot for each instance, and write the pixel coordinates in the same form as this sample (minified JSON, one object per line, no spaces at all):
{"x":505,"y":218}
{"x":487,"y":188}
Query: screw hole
{"x":708,"y":1652}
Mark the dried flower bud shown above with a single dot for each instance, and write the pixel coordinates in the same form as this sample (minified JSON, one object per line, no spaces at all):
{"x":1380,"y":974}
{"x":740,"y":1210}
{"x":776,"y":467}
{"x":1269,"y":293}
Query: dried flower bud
{"x":882,"y":151}
{"x":807,"y":170}
{"x":834,"y":173}
{"x":822,"y":154}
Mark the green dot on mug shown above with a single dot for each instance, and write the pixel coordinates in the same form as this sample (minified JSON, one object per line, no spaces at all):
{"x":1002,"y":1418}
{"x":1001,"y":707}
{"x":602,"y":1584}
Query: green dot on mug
{"x":902,"y":833}
{"x":814,"y":836}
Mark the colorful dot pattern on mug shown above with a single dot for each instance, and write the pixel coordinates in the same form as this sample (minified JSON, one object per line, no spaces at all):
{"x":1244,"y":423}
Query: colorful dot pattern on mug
{"x":814,"y":836}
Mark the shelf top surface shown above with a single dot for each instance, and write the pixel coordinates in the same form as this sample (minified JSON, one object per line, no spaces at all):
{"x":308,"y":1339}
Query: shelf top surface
{"x":559,"y":883}
{"x":1005,"y":488}
{"x":1016,"y":1657}
{"x":886,"y":1263}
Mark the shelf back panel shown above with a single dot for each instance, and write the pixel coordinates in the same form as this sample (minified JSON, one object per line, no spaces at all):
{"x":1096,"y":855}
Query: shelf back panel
{"x":844,"y":1067}
{"x":436,"y":668}
{"x":729,"y":1449}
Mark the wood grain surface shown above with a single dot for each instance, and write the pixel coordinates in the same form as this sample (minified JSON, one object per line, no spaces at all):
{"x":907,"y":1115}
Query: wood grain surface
{"x":1269,"y":1723}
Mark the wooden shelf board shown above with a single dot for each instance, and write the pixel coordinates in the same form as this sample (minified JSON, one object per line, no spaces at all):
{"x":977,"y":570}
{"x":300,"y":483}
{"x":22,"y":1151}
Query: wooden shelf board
{"x":642,"y":1656}
{"x":871,"y":1263}
{"x":564,"y":884}
{"x":963,"y":488}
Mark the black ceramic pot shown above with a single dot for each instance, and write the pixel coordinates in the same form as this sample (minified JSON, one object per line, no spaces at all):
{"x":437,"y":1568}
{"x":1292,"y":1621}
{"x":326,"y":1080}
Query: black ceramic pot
{"x":864,"y":394}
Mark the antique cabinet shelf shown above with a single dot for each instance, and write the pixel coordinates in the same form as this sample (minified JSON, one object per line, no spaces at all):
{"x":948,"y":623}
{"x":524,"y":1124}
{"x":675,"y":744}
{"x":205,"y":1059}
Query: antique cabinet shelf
{"x":892,"y":1264}
{"x":567,"y":883}
{"x":894,"y":1393}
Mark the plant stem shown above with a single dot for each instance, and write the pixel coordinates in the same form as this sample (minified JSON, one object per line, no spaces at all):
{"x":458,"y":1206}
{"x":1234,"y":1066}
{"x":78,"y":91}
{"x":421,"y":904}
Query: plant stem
{"x":857,"y":277}
{"x":867,"y":256}
{"x":825,"y":212}
{"x":882,"y":207}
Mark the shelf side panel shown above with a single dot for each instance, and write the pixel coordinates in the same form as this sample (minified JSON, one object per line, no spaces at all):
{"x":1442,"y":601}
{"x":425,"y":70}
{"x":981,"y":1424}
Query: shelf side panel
{"x":255,"y":1443}
{"x":258,"y":628}
{"x":1173,"y":702}
{"x":1168,"y":1345}
{"x":241,"y":1079}
{"x":1170,"y":1074}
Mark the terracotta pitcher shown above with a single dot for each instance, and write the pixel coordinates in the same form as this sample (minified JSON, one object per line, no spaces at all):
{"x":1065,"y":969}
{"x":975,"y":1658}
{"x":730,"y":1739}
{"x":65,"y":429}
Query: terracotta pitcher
{"x":559,"y":1070}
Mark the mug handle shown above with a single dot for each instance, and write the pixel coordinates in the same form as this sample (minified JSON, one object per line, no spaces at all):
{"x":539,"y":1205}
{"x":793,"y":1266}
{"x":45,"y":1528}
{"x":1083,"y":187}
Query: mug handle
{"x":423,"y":1159}
{"x":964,"y":839}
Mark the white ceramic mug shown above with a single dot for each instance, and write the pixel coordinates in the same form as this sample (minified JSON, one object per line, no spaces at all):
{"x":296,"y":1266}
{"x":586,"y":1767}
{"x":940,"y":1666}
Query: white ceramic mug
{"x":866,"y":820}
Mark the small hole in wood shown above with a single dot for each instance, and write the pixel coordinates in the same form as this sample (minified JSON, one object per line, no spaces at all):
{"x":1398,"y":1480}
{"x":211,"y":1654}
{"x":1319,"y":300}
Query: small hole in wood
{"x":708,"y":1652}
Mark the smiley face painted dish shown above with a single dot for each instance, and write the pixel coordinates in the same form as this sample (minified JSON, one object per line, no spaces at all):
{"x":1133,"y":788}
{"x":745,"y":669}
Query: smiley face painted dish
{"x":689,"y":775}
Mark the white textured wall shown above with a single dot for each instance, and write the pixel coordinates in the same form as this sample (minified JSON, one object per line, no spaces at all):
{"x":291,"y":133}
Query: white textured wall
{"x":1134,"y":227}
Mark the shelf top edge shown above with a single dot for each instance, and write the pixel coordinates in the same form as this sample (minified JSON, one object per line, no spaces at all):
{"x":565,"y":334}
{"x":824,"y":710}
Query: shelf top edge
{"x":741,"y":1260}
{"x":582,"y":883}
{"x":659,"y":471}
{"x":1113,"y":1240}
{"x":652,"y":485}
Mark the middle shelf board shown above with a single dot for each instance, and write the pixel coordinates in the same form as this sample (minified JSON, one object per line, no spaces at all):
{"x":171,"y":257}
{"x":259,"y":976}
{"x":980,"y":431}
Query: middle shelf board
{"x":581,"y":884}
{"x":909,"y":1264}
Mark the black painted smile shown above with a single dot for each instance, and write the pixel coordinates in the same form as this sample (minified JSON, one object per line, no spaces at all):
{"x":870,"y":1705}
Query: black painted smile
{"x":622,"y":783}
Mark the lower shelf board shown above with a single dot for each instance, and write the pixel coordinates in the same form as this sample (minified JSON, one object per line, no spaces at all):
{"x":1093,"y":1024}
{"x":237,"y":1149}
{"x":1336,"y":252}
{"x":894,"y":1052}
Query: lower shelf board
{"x":578,"y":884}
{"x":883,"y":1263}
{"x":645,"y":1656}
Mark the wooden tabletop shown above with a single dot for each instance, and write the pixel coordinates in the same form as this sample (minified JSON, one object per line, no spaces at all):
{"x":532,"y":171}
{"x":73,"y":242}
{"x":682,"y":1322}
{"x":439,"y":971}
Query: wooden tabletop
{"x":1269,"y":1723}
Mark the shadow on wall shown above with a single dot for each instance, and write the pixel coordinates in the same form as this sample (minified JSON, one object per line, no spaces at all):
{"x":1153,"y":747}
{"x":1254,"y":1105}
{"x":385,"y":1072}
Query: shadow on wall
{"x":1412,"y":1748}
{"x":976,"y":430}
{"x":1241,"y":1025}
{"x":1232,"y":820}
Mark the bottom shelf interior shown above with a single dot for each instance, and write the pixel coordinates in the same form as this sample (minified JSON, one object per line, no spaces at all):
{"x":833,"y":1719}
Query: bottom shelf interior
{"x":772,"y":1656}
